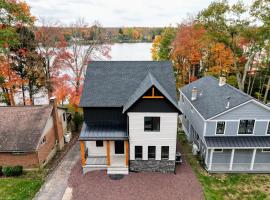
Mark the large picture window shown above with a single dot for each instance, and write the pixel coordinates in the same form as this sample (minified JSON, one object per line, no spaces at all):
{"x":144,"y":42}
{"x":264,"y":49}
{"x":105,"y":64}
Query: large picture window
{"x":165,"y":152}
{"x":151,"y":123}
{"x":151,"y":152}
{"x":246,"y":126}
{"x":138,"y":152}
{"x":220,"y":128}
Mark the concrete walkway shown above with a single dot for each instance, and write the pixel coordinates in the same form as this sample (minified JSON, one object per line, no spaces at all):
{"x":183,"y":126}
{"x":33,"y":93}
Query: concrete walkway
{"x":57,"y":183}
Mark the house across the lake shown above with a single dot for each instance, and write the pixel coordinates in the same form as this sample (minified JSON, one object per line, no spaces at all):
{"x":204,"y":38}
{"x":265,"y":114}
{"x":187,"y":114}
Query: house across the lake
{"x":130,"y":117}
{"x":30,"y":135}
{"x":229,"y":128}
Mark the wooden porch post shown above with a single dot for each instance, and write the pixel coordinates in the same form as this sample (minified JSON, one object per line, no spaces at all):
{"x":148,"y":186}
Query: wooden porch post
{"x":108,"y":153}
{"x":82,"y":152}
{"x":127,"y":151}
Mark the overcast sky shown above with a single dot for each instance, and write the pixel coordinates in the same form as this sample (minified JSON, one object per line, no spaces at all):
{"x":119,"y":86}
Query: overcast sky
{"x":115,"y":13}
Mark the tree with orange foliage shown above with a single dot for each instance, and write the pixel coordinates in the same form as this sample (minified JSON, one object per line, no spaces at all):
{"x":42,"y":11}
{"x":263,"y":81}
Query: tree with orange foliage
{"x":52,"y":47}
{"x":187,"y":52}
{"x":63,"y":89}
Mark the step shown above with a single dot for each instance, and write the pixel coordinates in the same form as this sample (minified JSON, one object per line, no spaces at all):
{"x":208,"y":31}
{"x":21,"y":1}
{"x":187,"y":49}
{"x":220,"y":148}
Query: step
{"x":117,"y":170}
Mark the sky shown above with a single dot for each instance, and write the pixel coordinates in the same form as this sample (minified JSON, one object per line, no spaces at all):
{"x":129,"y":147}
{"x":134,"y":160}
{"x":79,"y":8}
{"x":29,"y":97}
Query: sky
{"x":116,"y":13}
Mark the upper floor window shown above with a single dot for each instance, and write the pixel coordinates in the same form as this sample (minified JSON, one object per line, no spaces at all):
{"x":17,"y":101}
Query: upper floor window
{"x":43,"y":141}
{"x":220,"y":128}
{"x":268,"y":129}
{"x":151,"y":152}
{"x":246,"y":126}
{"x":151,"y":123}
{"x":138,"y":152}
{"x":165,"y":152}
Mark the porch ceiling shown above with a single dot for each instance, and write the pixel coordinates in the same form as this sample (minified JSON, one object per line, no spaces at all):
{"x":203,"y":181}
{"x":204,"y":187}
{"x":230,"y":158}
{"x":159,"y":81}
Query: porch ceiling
{"x":103,"y":132}
{"x":238,"y":142}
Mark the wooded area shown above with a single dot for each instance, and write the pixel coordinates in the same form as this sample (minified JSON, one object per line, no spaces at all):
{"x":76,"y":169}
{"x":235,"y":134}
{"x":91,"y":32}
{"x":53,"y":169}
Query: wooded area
{"x":222,"y":40}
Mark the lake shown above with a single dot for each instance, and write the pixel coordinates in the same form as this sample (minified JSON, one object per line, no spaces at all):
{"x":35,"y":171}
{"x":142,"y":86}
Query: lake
{"x":119,"y":52}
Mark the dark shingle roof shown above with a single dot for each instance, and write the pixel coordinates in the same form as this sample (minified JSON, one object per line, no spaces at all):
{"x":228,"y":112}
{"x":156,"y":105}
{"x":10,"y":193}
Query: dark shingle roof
{"x":103,"y":132}
{"x":212,"y":98}
{"x":238,"y":141}
{"x":117,"y":83}
{"x":21,"y":127}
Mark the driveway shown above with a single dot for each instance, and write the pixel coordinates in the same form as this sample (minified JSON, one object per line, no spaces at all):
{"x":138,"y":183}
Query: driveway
{"x":57,"y":183}
{"x":136,"y":186}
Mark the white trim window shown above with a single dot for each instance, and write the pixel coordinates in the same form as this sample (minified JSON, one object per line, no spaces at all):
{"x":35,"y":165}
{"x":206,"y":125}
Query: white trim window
{"x":265,"y":150}
{"x":138,"y":152}
{"x":151,"y":152}
{"x":220,"y":129}
{"x":268,"y":129}
{"x":218,"y":150}
{"x":246,"y":127}
{"x":165,"y":152}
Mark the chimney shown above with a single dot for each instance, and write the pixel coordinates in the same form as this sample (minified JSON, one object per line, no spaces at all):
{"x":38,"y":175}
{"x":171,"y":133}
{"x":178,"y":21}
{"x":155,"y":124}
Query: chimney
{"x":222,"y":81}
{"x":58,"y":129}
{"x":194,"y":93}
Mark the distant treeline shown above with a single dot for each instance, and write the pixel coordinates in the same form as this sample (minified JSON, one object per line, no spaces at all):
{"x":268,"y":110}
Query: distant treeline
{"x":114,"y":34}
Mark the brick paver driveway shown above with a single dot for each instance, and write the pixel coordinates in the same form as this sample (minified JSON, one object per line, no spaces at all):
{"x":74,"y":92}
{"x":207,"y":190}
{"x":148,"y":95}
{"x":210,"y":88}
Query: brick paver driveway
{"x":136,"y":186}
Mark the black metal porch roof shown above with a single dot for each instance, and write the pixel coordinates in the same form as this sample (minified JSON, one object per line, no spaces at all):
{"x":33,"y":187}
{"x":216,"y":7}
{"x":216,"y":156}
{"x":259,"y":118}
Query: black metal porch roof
{"x":238,"y":142}
{"x":103,"y":132}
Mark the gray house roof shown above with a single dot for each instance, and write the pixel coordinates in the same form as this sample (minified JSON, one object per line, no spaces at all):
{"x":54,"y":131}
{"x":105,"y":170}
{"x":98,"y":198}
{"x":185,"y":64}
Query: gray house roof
{"x":238,"y":141}
{"x":121,"y":83}
{"x":22,"y":127}
{"x":212,"y":98}
{"x":104,"y":132}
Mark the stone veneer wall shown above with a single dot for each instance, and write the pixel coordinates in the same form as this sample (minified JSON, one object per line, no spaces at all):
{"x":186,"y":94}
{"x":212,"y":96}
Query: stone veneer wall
{"x":164,"y":166}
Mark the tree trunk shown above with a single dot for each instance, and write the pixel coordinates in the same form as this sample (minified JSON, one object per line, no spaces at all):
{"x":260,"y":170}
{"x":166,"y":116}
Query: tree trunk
{"x":266,"y":91}
{"x":23,"y":93}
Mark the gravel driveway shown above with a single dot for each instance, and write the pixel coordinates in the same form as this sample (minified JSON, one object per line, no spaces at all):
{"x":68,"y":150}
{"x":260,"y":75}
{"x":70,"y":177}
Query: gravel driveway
{"x":136,"y":186}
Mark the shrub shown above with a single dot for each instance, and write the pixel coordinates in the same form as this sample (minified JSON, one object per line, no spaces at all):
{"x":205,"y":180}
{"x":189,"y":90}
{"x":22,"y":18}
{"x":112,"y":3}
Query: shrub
{"x":78,"y":120}
{"x":12,"y":171}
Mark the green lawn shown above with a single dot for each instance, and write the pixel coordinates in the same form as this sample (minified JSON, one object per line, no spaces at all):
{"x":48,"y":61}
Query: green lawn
{"x":23,"y":187}
{"x":227,"y":186}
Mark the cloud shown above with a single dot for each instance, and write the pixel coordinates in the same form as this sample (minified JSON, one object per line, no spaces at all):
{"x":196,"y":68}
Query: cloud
{"x":115,"y":13}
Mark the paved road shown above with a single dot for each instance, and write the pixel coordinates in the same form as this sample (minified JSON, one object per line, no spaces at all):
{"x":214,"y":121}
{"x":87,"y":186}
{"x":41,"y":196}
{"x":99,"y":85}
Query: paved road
{"x":57,"y":183}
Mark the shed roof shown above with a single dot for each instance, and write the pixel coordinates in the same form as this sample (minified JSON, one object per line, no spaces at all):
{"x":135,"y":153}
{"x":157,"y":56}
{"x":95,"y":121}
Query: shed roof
{"x":238,"y":141}
{"x":118,"y":83}
{"x":103,"y":132}
{"x":21,"y":127}
{"x":212,"y":99}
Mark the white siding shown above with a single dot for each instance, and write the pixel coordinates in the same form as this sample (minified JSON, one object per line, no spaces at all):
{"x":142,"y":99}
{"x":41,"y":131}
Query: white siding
{"x":165,"y":137}
{"x":93,"y":150}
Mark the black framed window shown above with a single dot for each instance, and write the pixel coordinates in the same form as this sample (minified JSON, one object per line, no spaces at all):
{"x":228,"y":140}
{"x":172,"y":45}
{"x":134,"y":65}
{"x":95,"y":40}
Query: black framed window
{"x":268,"y":129}
{"x":220,"y":128}
{"x":151,"y":152}
{"x":119,"y":147}
{"x":165,"y":152}
{"x":99,"y":143}
{"x":64,"y":117}
{"x":246,"y":126}
{"x":151,"y":123}
{"x":138,"y":152}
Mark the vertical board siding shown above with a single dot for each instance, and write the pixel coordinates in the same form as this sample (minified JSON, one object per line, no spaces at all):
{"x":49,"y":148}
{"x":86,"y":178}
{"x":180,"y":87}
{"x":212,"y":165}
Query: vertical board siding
{"x":165,"y":137}
{"x":243,"y":156}
{"x":222,"y":157}
{"x":262,"y":157}
{"x":94,"y":150}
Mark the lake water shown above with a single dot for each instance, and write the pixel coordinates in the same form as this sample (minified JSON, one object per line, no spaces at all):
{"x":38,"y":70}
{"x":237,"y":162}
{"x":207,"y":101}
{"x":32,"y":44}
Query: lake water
{"x":119,"y":52}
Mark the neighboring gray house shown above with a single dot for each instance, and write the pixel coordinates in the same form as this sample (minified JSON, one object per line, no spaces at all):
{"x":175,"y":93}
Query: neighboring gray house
{"x":230,"y":129}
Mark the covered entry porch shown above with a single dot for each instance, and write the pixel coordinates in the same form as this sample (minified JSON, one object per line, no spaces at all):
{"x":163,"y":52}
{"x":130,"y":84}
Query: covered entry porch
{"x":249,"y":154}
{"x":105,"y":148}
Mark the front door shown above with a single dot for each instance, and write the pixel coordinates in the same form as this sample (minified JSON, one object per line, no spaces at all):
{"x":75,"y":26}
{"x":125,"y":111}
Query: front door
{"x":119,"y":147}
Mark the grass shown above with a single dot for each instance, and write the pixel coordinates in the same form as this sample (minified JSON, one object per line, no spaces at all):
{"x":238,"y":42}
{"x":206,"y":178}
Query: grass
{"x":227,"y":186}
{"x":23,"y":187}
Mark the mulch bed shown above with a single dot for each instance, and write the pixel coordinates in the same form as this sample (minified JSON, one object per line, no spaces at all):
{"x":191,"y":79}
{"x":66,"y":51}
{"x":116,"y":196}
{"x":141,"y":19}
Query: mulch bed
{"x":136,"y":186}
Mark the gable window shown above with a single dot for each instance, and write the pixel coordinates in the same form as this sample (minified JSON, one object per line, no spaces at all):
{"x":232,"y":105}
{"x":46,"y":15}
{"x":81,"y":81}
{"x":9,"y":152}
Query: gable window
{"x":138,"y":152}
{"x":220,"y":128}
{"x":151,"y":152}
{"x":99,"y":143}
{"x":268,"y":129}
{"x":151,"y":123}
{"x":165,"y":152}
{"x":246,"y":126}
